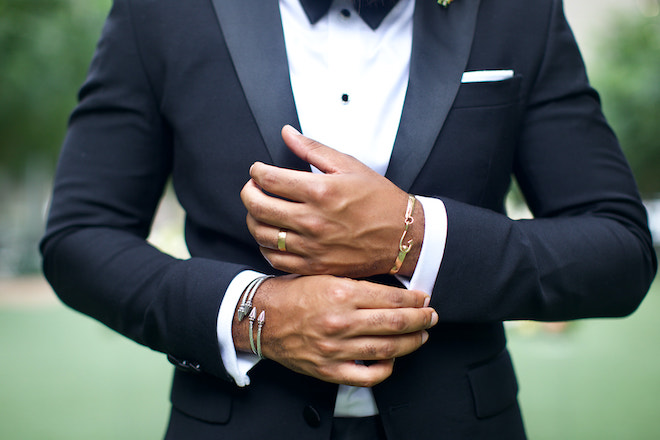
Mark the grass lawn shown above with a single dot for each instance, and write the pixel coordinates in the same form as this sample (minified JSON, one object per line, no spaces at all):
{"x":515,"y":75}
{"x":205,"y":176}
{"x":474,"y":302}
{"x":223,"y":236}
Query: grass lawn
{"x":63,"y":376}
{"x":599,"y":379}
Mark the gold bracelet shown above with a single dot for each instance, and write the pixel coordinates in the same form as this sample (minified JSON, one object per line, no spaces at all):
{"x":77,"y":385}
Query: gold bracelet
{"x":404,"y":248}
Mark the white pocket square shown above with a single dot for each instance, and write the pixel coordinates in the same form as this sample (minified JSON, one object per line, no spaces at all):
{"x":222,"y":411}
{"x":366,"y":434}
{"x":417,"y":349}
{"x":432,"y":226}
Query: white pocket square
{"x":486,"y":75}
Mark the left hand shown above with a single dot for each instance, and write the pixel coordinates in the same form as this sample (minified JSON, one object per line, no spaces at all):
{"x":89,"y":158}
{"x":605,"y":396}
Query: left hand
{"x":346,"y":222}
{"x":319,"y":325}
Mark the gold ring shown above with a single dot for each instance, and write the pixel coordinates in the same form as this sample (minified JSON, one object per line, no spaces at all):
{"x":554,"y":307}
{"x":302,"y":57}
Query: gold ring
{"x":281,"y":240}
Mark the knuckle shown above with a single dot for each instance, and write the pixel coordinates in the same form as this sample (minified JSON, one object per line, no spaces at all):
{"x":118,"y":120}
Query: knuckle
{"x":388,"y":350}
{"x":320,"y":191}
{"x":397,"y":297}
{"x":327,"y":348}
{"x":339,"y":294}
{"x":256,"y":210}
{"x":314,"y":225}
{"x":243,"y":194}
{"x":268,"y":178}
{"x":335,"y":324}
{"x":398,"y":323}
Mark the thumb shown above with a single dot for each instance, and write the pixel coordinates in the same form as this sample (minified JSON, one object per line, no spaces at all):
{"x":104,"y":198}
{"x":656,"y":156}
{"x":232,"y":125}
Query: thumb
{"x":326,"y":159}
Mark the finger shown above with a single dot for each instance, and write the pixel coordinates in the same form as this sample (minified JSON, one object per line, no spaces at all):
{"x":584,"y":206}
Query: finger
{"x":372,"y":348}
{"x":390,"y":347}
{"x":369,"y":295}
{"x":290,"y":263}
{"x":326,"y":159}
{"x":360,"y":375}
{"x":267,"y":209}
{"x":289,"y":184}
{"x":386,"y":322}
{"x":293,"y":259}
{"x":267,"y":236}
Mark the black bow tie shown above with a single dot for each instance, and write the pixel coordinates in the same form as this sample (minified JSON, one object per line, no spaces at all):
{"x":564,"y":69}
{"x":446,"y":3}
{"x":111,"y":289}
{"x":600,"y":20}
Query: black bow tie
{"x":372,"y":12}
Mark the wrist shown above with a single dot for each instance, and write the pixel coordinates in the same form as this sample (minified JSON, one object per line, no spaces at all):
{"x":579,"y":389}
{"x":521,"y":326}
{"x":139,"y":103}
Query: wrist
{"x":241,"y":330}
{"x":416,"y":234}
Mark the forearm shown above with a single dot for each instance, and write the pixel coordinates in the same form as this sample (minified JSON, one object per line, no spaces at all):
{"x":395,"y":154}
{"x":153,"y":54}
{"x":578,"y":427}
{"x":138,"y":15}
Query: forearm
{"x":117,"y":278}
{"x":561,"y":268}
{"x":588,"y":251}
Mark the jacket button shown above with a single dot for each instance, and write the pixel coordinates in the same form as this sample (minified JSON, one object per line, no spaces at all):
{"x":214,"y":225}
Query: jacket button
{"x":184,"y":365}
{"x":312,"y":416}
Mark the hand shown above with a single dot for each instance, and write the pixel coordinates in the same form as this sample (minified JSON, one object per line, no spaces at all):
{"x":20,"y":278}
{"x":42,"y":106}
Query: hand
{"x":346,"y":222}
{"x":319,"y":325}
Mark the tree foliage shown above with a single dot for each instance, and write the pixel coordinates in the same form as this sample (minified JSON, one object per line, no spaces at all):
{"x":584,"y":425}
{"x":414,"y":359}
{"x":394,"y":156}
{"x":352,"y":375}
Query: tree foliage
{"x":627,"y":74}
{"x":46,"y":46}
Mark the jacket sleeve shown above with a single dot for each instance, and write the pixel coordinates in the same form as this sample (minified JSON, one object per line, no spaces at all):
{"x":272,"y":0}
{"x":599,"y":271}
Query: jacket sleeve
{"x":588,"y":251}
{"x":115,"y":161}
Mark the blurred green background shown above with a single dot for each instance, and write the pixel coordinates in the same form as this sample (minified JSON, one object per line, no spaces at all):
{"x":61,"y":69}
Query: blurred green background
{"x":64,"y":376}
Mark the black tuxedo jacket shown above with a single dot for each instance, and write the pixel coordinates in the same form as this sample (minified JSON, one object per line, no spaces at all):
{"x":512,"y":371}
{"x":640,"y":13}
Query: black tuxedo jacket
{"x":199,"y":89}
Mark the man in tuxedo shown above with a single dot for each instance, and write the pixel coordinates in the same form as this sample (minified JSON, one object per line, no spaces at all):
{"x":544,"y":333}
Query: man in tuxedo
{"x":376,"y":244}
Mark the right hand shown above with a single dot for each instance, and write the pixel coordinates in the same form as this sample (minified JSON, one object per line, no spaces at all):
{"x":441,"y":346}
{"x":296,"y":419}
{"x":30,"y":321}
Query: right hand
{"x":320,"y":325}
{"x":346,"y":221}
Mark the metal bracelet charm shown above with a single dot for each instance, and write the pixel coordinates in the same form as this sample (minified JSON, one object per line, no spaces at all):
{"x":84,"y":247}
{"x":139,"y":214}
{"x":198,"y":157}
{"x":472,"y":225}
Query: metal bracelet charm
{"x":404,"y":247}
{"x":260,"y":322}
{"x":252,"y":317}
{"x":248,"y":295}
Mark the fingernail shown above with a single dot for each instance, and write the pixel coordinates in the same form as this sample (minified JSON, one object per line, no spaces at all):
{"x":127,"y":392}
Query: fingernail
{"x":427,"y":301}
{"x":434,"y":318}
{"x":425,"y":336}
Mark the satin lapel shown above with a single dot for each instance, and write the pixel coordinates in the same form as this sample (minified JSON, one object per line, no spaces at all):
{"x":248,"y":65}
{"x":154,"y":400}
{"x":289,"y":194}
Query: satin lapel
{"x":253,"y":32}
{"x":442,"y":38}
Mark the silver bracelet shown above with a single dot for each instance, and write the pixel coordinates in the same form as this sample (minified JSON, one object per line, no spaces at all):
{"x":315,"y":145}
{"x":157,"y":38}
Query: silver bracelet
{"x":248,"y":295}
{"x":252,"y":317}
{"x":260,"y":322}
{"x":242,"y":313}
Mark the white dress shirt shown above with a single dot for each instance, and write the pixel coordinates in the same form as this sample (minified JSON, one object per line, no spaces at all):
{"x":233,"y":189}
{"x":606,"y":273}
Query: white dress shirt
{"x":349,"y":83}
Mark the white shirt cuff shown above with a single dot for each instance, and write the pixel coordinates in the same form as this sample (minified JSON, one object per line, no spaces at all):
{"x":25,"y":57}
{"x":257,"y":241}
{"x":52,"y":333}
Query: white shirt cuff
{"x":433,"y":247}
{"x":236,"y":364}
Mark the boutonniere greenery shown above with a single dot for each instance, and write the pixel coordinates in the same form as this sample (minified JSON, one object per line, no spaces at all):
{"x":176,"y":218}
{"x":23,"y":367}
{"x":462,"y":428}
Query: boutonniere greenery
{"x":445,"y":3}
